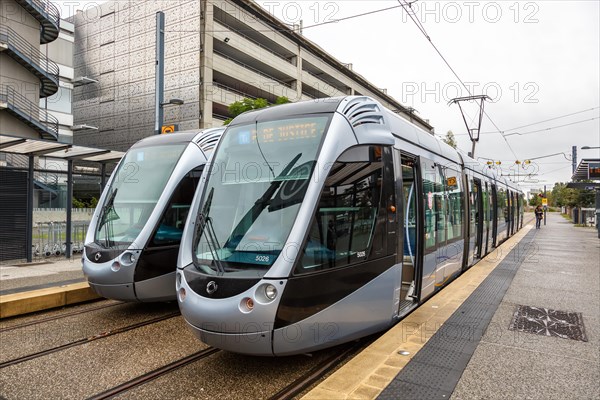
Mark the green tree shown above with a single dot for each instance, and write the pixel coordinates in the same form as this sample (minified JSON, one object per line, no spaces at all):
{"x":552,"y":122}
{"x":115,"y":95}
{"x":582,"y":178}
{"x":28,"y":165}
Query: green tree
{"x":450,"y":140}
{"x":78,"y":203}
{"x":562,"y":196}
{"x":93,"y":202}
{"x":248,"y":104}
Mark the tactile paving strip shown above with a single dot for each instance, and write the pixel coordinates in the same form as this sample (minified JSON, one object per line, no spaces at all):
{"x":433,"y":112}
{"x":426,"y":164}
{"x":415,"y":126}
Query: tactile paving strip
{"x":546,"y":322}
{"x":435,"y":370}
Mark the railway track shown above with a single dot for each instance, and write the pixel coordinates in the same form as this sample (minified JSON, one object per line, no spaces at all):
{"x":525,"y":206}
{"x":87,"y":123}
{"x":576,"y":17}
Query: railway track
{"x":57,"y":317}
{"x":149,"y":376}
{"x":89,"y":339}
{"x":319,"y":371}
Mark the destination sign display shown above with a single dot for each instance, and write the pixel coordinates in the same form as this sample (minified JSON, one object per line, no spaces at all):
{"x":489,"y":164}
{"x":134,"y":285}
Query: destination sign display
{"x":283,"y":131}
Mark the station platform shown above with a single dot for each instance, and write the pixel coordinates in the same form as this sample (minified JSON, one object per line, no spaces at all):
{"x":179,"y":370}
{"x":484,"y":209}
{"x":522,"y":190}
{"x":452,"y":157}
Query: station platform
{"x":41,"y":285}
{"x":522,"y":323}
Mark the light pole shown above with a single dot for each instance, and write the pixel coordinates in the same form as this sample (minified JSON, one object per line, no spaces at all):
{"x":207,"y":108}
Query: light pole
{"x":160,"y":75}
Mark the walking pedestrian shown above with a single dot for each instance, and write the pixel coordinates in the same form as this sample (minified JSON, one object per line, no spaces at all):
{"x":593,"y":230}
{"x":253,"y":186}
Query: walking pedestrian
{"x":539,"y":215}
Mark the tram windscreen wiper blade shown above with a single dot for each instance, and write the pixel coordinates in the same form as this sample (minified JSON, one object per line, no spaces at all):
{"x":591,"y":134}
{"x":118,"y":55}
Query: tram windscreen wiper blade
{"x":108,"y":215}
{"x":207,"y":229}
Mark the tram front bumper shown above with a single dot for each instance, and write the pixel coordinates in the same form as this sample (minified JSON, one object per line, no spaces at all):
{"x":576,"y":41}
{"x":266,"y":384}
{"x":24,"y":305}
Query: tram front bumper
{"x":254,"y":343}
{"x":124,"y":291}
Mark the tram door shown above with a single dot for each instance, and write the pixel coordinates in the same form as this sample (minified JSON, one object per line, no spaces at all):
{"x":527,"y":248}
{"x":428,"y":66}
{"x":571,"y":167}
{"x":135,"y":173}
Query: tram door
{"x":511,"y":212}
{"x":494,"y":215}
{"x":486,"y":218}
{"x":409,"y":253}
{"x":515,"y":210}
{"x":476,"y":221}
{"x":489,"y":215}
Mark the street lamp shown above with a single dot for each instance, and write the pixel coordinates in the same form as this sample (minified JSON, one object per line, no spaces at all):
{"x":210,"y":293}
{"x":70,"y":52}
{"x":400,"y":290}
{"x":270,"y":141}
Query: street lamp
{"x":175,"y":102}
{"x":589,"y":147}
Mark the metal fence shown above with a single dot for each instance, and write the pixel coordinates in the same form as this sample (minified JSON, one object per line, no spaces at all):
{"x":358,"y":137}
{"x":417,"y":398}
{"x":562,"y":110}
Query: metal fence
{"x":49,"y":238}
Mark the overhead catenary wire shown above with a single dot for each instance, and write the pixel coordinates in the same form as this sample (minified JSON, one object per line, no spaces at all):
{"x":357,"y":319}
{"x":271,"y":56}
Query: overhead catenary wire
{"x":333,"y":21}
{"x":538,"y":130}
{"x":407,"y":8}
{"x":546,"y":120}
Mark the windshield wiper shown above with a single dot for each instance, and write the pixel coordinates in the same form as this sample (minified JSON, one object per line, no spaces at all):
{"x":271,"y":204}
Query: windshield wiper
{"x":108,"y":215}
{"x":206,"y":226}
{"x":260,"y":204}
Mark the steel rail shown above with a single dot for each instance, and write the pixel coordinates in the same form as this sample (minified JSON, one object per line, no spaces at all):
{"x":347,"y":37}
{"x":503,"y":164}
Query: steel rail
{"x":86,"y":340}
{"x":149,"y":376}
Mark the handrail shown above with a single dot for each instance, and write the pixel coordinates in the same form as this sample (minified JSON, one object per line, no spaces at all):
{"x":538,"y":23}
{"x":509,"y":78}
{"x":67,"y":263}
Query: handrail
{"x":29,"y":111}
{"x":257,"y":71}
{"x":45,"y":9}
{"x":255,"y":42}
{"x":28,"y":50}
{"x":229,"y":88}
{"x":45,"y":6}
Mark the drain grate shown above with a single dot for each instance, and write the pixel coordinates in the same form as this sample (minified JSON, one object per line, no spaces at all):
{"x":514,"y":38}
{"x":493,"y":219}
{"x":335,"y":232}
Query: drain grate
{"x":546,"y":322}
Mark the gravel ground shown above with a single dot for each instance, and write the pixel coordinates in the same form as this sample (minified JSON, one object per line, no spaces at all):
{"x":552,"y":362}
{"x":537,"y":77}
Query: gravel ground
{"x":85,"y":370}
{"x":34,"y":338}
{"x":94,"y":367}
{"x":230,"y":376}
{"x":56,"y":312}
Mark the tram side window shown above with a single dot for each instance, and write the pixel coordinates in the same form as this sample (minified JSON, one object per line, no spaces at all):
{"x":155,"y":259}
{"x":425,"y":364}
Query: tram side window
{"x":454,"y":193}
{"x":410,"y":215}
{"x":429,"y":193}
{"x":171,"y":225}
{"x":441,"y":206}
{"x":345,"y":226}
{"x":502,"y":207}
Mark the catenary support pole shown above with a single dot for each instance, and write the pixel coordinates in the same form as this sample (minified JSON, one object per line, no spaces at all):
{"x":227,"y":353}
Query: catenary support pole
{"x":69,"y":208}
{"x":160,"y":71}
{"x":29,"y":234}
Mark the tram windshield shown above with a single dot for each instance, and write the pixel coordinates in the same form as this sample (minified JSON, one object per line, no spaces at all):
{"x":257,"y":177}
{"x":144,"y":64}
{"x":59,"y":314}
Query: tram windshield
{"x":132,"y":195}
{"x":255,"y":187}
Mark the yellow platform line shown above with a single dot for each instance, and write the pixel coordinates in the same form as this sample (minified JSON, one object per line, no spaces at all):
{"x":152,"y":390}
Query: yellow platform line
{"x":367,"y":374}
{"x":43,"y":299}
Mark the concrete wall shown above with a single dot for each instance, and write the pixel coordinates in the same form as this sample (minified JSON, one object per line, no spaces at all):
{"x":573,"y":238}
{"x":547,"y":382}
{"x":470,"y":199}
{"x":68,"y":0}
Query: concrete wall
{"x":41,"y":215}
{"x":115,"y":44}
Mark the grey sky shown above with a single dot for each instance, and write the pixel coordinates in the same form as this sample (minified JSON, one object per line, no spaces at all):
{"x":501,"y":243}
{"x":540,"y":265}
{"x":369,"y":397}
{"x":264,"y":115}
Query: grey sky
{"x":537,"y":60}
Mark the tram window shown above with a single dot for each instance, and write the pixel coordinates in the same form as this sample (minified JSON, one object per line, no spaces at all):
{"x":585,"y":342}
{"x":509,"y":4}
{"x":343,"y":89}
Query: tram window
{"x":455,"y":204}
{"x":171,"y":225}
{"x":429,"y":192}
{"x":502,"y":209}
{"x":409,"y":190}
{"x":344,"y":229}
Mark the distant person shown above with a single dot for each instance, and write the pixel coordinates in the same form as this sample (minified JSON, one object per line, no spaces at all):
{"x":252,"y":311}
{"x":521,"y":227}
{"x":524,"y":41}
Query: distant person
{"x":539,"y":215}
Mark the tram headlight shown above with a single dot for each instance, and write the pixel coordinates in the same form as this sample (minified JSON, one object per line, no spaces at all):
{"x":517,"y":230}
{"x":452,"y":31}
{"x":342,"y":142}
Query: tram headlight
{"x":128,"y":258}
{"x":182,"y":294}
{"x":270,"y":292}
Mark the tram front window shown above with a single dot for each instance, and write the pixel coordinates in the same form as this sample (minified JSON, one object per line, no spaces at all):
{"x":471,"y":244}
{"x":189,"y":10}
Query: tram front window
{"x":256,"y":184}
{"x":132,"y":195}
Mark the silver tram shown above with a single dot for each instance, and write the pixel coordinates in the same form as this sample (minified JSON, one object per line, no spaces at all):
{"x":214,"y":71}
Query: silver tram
{"x":132,"y":242}
{"x":325,"y":221}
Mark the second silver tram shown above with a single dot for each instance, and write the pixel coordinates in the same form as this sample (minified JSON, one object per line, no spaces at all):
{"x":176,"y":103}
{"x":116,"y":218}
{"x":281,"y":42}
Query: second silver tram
{"x":133,"y":239}
{"x":325,"y":221}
